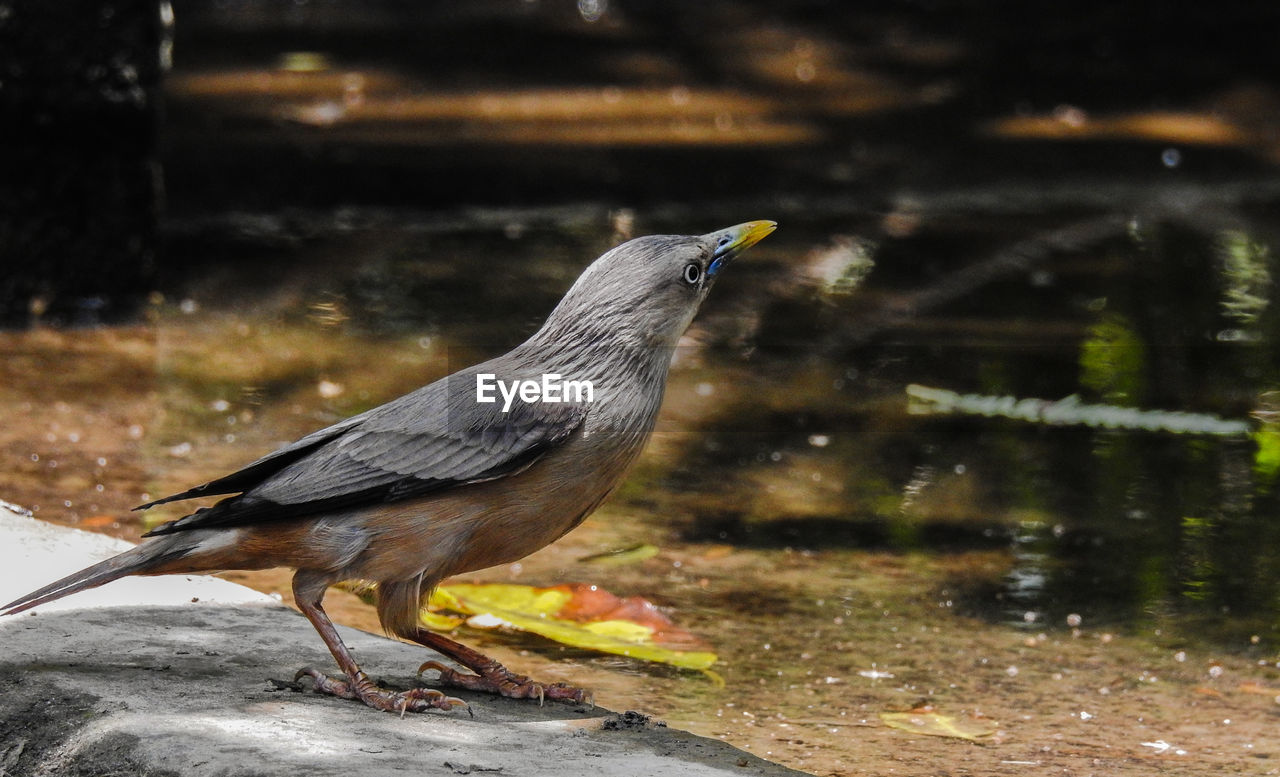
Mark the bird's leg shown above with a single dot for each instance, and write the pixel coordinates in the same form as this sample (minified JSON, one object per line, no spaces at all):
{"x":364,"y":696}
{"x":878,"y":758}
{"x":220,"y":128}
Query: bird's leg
{"x":490,"y":676}
{"x":308,"y":596}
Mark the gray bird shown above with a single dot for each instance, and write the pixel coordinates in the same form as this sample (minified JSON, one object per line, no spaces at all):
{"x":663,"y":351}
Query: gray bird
{"x":462,"y":474}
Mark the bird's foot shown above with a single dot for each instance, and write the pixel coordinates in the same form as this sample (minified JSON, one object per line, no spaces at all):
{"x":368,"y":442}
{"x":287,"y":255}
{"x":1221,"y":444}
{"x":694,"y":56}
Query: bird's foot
{"x":493,"y":677}
{"x":364,"y":689}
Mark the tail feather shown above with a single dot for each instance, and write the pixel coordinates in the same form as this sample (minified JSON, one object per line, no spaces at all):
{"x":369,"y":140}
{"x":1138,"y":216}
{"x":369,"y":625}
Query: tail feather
{"x":134,"y":561}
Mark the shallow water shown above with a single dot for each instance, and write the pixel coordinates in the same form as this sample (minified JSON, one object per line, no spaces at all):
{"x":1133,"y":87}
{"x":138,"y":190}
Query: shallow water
{"x":1087,"y":589}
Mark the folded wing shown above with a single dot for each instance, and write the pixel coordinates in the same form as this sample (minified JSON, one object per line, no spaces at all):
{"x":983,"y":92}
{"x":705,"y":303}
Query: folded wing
{"x":434,"y":438}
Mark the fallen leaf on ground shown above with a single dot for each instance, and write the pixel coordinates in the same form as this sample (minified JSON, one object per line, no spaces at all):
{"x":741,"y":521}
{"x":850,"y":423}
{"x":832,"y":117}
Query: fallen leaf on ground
{"x":97,"y":521}
{"x":932,"y":723}
{"x":1259,"y":689}
{"x":580,"y":615}
{"x":619,"y":556}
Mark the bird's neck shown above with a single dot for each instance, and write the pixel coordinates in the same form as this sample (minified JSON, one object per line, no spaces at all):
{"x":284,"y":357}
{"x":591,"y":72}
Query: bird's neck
{"x":628,"y":378}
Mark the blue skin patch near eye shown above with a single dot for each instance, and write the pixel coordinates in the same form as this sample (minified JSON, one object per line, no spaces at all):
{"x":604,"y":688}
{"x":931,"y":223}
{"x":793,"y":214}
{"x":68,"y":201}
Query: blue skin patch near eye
{"x":721,"y":244}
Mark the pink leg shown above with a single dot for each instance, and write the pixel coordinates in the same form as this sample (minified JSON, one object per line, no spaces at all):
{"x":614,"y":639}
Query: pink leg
{"x":490,"y":676}
{"x":308,"y":595}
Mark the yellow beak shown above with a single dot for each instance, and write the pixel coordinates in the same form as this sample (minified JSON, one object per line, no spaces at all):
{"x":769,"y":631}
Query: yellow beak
{"x":731,"y":241}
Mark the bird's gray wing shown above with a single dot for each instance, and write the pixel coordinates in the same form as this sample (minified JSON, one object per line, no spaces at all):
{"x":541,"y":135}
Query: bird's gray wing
{"x":434,"y":438}
{"x":258,"y":471}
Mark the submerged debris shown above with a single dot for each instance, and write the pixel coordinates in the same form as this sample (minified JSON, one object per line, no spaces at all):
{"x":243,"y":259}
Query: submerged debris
{"x":1070,"y":411}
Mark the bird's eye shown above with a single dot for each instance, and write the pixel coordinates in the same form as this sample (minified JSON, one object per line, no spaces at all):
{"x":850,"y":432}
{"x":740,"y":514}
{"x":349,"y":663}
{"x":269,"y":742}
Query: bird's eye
{"x":692,"y":273}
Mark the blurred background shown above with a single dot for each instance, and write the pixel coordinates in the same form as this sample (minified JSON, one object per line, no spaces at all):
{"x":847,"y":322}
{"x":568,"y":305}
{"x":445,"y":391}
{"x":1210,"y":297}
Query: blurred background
{"x":986,"y":427}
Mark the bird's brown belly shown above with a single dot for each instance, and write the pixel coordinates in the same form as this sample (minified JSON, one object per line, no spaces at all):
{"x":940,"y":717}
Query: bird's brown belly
{"x":485,"y":524}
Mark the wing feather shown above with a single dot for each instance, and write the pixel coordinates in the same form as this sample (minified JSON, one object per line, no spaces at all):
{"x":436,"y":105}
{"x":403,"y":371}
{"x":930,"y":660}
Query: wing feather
{"x":434,"y":438}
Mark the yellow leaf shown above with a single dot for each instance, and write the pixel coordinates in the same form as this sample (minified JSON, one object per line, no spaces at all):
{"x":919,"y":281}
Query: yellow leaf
{"x":438,"y":622}
{"x":619,"y":556}
{"x":935,"y":724}
{"x":622,"y":630}
{"x":583,"y":616}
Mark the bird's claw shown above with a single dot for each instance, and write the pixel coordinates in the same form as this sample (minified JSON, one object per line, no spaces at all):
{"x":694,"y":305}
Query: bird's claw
{"x":364,"y":689}
{"x":497,"y":679}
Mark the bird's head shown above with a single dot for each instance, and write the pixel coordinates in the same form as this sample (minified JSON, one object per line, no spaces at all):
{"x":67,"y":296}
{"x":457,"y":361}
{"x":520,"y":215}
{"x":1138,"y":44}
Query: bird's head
{"x":646,"y":291}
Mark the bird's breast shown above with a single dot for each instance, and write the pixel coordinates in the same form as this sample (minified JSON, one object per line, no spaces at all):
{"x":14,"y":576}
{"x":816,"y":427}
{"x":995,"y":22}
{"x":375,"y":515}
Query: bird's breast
{"x":500,"y":521}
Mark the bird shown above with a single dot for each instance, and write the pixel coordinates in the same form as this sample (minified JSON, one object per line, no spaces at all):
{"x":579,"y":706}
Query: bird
{"x":473,"y":470}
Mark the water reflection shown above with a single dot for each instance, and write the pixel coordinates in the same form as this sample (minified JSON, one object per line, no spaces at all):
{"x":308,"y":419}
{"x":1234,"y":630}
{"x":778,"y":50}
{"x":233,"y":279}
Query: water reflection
{"x":1120,"y":514}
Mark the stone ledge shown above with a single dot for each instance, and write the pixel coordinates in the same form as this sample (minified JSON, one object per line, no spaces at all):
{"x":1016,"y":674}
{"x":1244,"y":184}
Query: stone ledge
{"x":172,"y":678}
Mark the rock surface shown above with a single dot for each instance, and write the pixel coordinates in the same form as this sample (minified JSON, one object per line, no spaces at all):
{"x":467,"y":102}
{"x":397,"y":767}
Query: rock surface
{"x":170,"y":676}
